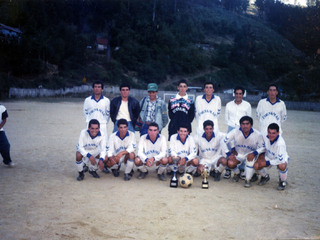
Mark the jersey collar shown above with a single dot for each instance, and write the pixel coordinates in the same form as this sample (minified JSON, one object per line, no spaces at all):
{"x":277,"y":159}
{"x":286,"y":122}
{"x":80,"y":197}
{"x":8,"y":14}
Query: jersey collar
{"x":274,"y":139}
{"x":204,"y":97}
{"x":118,"y":134}
{"x":148,"y":137}
{"x":99,"y":134}
{"x":178,"y":138}
{"x":101,"y":97}
{"x":251,"y":131}
{"x":278,"y":100}
{"x":204,"y":136}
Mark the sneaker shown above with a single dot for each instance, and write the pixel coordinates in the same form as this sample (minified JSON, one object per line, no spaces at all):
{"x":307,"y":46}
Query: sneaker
{"x":85,"y":168}
{"x":127,"y":177}
{"x":94,"y":174}
{"x":81,"y":176}
{"x":116,"y":172}
{"x":264,"y":180}
{"x":196,"y":174}
{"x":243,"y":175}
{"x":254,"y":178}
{"x":131,"y":173}
{"x":236,"y":177}
{"x":227,"y":174}
{"x":282,"y":185}
{"x":106,"y":170}
{"x":10,"y":164}
{"x":162,"y":177}
{"x":212,"y":173}
{"x":247,"y":183}
{"x":142,"y":175}
{"x":216,"y":176}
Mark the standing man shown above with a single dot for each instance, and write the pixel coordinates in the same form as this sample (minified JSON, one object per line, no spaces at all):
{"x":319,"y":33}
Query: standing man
{"x":90,"y":150}
{"x":97,"y":107}
{"x":153,"y":109}
{"x":275,"y":155}
{"x":121,"y":147}
{"x":125,"y":107}
{"x":182,"y":145}
{"x":208,"y":107}
{"x":181,"y":109}
{"x":210,"y":152}
{"x":4,"y":143}
{"x":235,"y":110}
{"x":152,"y":150}
{"x":246,"y":144}
{"x":271,"y":110}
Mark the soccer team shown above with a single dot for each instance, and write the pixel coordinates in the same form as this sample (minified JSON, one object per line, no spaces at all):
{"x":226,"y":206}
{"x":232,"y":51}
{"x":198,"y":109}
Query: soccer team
{"x":243,"y":150}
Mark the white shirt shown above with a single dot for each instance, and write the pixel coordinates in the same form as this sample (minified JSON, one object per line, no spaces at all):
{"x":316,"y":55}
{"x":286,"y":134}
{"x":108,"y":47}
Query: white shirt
{"x":186,"y":150}
{"x":124,"y":111}
{"x":99,"y":110}
{"x":148,"y":149}
{"x":276,"y":152}
{"x":2,"y":110}
{"x":207,"y":110}
{"x":211,"y":149}
{"x":117,"y":145}
{"x":92,"y":146}
{"x":268,"y":113}
{"x":235,"y":111}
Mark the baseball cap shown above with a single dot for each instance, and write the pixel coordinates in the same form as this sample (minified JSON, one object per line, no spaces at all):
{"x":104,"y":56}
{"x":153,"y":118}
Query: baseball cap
{"x":152,"y":87}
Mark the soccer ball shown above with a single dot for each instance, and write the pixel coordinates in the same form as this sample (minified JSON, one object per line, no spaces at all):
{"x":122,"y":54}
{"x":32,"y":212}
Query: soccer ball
{"x":185,"y":180}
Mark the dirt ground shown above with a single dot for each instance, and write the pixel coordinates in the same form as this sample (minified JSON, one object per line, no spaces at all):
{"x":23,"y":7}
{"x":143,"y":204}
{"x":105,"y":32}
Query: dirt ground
{"x":41,"y":199}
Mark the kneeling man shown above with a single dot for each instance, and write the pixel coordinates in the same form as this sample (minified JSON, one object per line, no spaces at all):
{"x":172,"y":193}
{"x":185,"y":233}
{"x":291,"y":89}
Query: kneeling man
{"x":246,"y":144}
{"x":210,"y":153}
{"x":121,"y":147}
{"x":182,"y":145}
{"x":275,"y":155}
{"x":91,"y":150}
{"x":152,"y":149}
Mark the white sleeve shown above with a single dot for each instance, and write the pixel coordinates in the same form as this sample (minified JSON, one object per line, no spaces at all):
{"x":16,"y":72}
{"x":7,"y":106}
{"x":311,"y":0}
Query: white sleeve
{"x":85,"y":110}
{"x":172,"y":151}
{"x":141,"y":154}
{"x":132,"y":145}
{"x":284,"y":113}
{"x":81,"y":144}
{"x":163,"y":149}
{"x":228,"y":139}
{"x":110,"y":147}
{"x":192,"y":149}
{"x":107,"y":110}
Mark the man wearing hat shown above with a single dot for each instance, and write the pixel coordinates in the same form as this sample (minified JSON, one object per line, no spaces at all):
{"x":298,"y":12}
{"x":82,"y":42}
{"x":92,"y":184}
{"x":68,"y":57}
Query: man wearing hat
{"x":153,"y":109}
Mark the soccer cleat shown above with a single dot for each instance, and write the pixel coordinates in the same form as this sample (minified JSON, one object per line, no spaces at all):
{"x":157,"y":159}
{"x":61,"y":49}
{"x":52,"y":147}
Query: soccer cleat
{"x":212,"y":173}
{"x":142,"y":175}
{"x":127,"y":177}
{"x":264,"y":180}
{"x":243,"y":175}
{"x":216,"y":176}
{"x":254,"y":178}
{"x":282,"y":185}
{"x":131,"y":173}
{"x":196,"y":174}
{"x":81,"y":176}
{"x":85,"y":168}
{"x":227,"y":174}
{"x":106,"y":170}
{"x":247,"y":183}
{"x":94,"y":174}
{"x":236,"y":177}
{"x":10,"y":164}
{"x":162,"y":177}
{"x":116,"y":172}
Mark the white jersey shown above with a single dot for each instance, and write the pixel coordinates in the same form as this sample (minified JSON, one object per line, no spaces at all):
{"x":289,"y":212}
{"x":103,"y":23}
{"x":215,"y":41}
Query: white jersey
{"x":117,"y":145}
{"x":276,"y":152}
{"x":99,"y":110}
{"x":186,"y":150}
{"x":207,"y":111}
{"x":234,"y":112}
{"x":253,"y":143}
{"x":268,"y":113}
{"x":88,"y":146}
{"x":3,"y":114}
{"x":148,"y":149}
{"x":211,"y":149}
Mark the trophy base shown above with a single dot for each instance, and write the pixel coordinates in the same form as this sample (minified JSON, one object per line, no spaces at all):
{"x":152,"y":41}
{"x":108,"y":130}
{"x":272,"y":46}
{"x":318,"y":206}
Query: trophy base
{"x":174,"y":183}
{"x":205,"y":185}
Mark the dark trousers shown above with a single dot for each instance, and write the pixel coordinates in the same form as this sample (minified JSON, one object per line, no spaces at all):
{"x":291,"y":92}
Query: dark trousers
{"x":5,"y":148}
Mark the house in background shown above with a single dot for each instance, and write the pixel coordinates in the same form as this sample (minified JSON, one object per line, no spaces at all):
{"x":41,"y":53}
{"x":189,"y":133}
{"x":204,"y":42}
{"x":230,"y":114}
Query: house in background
{"x":102,"y":44}
{"x":9,"y":34}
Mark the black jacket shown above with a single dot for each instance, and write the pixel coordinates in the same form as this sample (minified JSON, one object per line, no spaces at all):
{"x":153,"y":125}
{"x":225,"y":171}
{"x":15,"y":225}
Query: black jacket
{"x":133,"y":105}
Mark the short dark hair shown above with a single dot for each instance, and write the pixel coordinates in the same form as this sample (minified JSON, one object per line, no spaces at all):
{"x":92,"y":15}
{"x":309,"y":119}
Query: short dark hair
{"x":274,"y":126}
{"x":208,"y":83}
{"x":207,"y":123}
{"x":153,"y":124}
{"x":122,"y":121}
{"x":97,"y":82}
{"x":124,"y":85}
{"x":238,"y":88}
{"x":183,"y":126}
{"x":93,"y":121}
{"x":246,"y":118}
{"x":182,"y":81}
{"x":273,"y":85}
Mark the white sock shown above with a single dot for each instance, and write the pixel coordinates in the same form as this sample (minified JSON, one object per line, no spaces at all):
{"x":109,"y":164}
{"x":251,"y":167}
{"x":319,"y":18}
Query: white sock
{"x":129,"y":166}
{"x":79,"y":165}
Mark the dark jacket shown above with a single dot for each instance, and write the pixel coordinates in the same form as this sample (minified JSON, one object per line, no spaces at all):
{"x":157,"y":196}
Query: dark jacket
{"x":133,"y":105}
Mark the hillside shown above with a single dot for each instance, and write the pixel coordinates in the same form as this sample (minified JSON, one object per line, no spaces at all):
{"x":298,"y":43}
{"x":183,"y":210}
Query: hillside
{"x":148,"y":41}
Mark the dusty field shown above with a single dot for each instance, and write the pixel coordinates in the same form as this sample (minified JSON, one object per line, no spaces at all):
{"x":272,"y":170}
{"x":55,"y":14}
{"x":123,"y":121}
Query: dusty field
{"x":41,"y":199}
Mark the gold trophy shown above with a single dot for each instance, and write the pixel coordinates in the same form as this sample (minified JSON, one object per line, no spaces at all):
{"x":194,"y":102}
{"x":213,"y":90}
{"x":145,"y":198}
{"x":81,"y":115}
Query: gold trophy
{"x":205,"y":183}
{"x":174,"y":179}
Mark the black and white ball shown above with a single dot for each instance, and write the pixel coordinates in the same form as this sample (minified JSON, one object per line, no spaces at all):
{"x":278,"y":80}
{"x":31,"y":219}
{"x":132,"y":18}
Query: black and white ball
{"x":185,"y":180}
